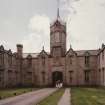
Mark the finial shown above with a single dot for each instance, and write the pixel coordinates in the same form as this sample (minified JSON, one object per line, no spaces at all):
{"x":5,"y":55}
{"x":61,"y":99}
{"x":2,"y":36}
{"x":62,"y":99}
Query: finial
{"x":43,"y":47}
{"x":70,"y":46}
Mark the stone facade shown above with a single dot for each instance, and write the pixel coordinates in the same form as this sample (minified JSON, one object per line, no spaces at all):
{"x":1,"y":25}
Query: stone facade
{"x":101,"y":66}
{"x":9,"y":72}
{"x":73,"y":68}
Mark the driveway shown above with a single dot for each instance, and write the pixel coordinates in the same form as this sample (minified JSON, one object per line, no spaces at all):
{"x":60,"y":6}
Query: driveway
{"x":30,"y":98}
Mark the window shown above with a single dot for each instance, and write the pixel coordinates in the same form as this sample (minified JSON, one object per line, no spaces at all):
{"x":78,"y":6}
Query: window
{"x":70,"y":76}
{"x":1,"y":76}
{"x":63,"y":37}
{"x":1,"y":58}
{"x":103,"y":71}
{"x":10,"y":60}
{"x":103,"y":55}
{"x":99,"y":76}
{"x":57,"y":37}
{"x":70,"y":60}
{"x":87,"y":60}
{"x":29,"y":62}
{"x":87,"y":76}
{"x":98,"y":59}
{"x":43,"y":76}
{"x":43,"y":60}
{"x":57,"y":52}
{"x":52,"y":38}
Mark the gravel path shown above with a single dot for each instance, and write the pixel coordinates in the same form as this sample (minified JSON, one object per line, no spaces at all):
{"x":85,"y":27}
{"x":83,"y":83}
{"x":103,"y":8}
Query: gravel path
{"x":65,"y":99}
{"x":31,"y":98}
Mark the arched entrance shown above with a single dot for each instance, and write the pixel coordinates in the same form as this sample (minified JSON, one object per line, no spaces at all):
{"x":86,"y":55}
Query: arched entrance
{"x":57,"y":76}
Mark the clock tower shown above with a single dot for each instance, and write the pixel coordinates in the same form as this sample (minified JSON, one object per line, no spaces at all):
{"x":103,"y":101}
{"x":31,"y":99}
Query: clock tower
{"x":58,"y":37}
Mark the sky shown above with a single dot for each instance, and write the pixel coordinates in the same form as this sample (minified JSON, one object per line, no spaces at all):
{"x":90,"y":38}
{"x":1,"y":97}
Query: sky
{"x":28,"y":22}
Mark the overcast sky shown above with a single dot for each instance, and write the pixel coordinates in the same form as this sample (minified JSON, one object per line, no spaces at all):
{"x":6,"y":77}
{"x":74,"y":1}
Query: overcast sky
{"x":28,"y":21}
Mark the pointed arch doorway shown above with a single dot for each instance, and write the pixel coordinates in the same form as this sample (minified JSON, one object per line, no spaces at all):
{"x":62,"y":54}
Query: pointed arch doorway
{"x":57,"y":76}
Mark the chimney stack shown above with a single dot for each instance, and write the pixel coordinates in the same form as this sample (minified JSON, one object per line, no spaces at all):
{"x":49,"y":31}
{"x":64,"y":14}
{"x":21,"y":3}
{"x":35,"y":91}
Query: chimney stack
{"x":20,"y":50}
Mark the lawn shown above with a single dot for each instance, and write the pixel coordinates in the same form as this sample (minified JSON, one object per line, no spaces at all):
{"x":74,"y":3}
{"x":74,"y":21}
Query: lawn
{"x":4,"y":93}
{"x":88,"y":96}
{"x":53,"y":98}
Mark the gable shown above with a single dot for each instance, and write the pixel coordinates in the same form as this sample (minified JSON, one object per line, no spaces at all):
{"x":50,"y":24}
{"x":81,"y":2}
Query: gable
{"x":70,"y":52}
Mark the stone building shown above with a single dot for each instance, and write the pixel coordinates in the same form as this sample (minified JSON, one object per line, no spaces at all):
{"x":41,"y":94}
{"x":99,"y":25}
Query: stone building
{"x":73,"y":68}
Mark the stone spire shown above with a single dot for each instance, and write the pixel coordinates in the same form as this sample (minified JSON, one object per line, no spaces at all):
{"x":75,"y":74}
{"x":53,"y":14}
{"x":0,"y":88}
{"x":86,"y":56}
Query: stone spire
{"x":58,"y":15}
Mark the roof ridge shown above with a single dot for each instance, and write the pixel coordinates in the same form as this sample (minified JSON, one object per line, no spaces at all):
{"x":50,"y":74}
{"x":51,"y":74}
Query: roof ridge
{"x":86,"y":50}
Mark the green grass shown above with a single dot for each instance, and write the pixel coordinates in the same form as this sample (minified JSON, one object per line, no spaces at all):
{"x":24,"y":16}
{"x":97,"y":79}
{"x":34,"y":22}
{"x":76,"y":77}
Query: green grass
{"x":4,"y":93}
{"x":53,"y":98}
{"x":88,"y":96}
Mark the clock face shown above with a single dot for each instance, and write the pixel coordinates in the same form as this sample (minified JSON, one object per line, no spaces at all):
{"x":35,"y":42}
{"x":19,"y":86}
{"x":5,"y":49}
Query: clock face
{"x":57,"y":37}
